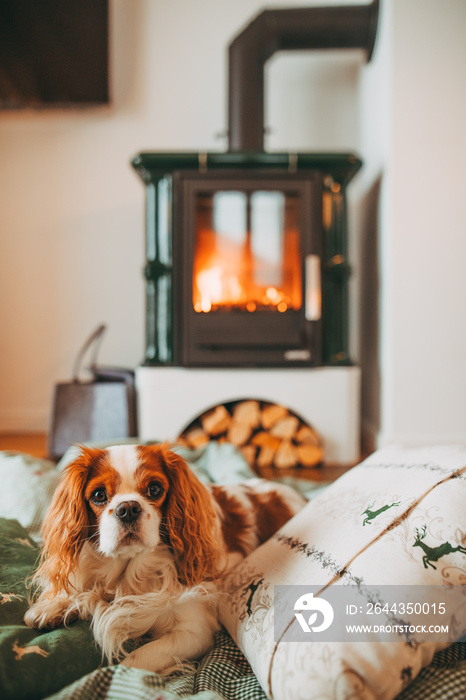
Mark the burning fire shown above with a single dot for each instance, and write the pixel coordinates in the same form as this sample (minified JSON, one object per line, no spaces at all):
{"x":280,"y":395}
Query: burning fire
{"x":230,"y":281}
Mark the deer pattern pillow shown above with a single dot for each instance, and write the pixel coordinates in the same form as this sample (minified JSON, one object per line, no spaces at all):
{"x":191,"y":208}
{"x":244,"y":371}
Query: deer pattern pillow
{"x":396,"y":519}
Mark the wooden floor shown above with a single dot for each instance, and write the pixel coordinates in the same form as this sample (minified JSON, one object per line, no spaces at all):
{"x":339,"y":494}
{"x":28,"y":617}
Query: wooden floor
{"x":36,"y":444}
{"x":31,"y":443}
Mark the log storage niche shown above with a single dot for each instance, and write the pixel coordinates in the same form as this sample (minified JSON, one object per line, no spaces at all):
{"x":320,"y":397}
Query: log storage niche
{"x":271,"y":437}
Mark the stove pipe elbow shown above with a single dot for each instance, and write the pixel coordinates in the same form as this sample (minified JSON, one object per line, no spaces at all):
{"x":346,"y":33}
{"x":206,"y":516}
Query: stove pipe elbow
{"x":313,"y":28}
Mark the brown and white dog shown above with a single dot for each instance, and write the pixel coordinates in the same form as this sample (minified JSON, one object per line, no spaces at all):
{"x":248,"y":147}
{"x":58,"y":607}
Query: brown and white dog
{"x":134,"y":542}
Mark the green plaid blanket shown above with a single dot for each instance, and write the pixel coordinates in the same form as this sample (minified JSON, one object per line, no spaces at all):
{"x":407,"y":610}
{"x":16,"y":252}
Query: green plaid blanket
{"x":224,"y":674}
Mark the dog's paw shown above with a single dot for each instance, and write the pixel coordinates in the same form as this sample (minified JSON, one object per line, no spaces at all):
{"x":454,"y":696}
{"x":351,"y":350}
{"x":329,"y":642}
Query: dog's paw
{"x":49,"y":613}
{"x":150,"y":657}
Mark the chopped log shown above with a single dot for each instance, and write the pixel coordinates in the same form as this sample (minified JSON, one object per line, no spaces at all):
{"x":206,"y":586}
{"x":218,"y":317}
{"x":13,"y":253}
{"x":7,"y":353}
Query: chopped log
{"x":310,"y":455}
{"x":238,"y":433}
{"x":196,"y":438}
{"x":286,"y":456}
{"x":265,"y":457}
{"x":285,"y":428}
{"x":248,"y":413}
{"x":249,"y":454}
{"x":272,"y":413}
{"x":264,"y":439}
{"x":307,"y":434}
{"x":216,"y":421}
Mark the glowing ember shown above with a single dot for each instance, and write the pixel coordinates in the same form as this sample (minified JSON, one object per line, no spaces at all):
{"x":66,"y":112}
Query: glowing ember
{"x":216,"y":288}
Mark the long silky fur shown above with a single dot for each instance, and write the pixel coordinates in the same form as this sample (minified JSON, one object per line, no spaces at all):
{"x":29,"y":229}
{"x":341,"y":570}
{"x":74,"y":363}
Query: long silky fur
{"x":64,"y":536}
{"x":113,"y":590}
{"x":191,"y":524}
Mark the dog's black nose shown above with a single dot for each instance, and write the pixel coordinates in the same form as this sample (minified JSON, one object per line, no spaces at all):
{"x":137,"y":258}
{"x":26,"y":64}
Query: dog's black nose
{"x":128,"y":511}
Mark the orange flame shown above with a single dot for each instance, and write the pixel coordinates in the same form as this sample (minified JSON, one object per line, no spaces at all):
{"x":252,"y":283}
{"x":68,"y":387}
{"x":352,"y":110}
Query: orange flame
{"x":225,"y":276}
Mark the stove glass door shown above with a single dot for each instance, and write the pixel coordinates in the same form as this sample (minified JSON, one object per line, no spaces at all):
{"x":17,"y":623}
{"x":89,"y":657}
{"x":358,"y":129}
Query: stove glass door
{"x":247,"y":251}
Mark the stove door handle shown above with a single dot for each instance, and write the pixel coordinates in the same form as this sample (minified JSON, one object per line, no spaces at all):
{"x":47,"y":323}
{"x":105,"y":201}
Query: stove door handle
{"x":313,"y":293}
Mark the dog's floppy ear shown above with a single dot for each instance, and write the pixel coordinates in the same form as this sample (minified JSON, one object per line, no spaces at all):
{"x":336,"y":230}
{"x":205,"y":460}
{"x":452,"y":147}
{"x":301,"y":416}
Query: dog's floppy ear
{"x":191,"y":522}
{"x":66,"y":524}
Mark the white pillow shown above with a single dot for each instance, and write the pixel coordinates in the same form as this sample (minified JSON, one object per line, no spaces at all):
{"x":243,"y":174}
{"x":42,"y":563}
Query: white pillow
{"x":360,"y":531}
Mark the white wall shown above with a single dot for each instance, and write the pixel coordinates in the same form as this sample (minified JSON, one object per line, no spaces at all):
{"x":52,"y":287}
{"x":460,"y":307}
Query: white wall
{"x":71,"y":211}
{"x":372,"y":222}
{"x":413,"y":107}
{"x":428,"y":221}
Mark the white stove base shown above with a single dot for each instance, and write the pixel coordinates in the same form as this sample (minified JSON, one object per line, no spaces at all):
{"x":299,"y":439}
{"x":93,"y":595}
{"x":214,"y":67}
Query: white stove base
{"x":169,"y":398}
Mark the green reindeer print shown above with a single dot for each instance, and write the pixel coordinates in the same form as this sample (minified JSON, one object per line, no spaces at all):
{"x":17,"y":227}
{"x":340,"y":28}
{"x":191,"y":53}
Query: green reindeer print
{"x":371,"y":514}
{"x":252,"y":588}
{"x":434,"y":553}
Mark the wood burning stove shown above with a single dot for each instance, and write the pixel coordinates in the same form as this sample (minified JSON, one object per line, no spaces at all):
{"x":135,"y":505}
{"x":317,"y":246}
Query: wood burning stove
{"x":247,"y":259}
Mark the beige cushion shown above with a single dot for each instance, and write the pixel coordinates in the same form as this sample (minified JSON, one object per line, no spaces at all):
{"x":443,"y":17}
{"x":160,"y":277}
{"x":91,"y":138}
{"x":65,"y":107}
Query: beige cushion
{"x":359,"y":532}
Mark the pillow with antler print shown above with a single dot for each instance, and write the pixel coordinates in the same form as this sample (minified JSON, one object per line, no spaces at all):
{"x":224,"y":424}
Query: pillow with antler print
{"x":355,"y":594}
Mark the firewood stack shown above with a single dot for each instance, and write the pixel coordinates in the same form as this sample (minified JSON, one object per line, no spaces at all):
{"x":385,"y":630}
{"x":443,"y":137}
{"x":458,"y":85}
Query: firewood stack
{"x":270,"y":437}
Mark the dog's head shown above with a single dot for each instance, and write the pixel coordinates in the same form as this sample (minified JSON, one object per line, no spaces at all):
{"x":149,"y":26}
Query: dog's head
{"x":127,"y":500}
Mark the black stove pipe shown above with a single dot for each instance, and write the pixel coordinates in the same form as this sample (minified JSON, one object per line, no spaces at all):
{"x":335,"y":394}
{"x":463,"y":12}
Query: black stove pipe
{"x":333,"y":27}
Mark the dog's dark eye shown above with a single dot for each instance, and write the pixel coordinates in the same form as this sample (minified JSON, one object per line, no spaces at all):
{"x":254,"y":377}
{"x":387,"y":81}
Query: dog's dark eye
{"x":99,"y":496}
{"x":155,"y":489}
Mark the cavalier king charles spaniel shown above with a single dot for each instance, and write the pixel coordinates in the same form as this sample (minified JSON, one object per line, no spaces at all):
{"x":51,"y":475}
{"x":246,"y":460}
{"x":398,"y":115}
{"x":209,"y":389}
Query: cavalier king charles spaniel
{"x":135,"y":543}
